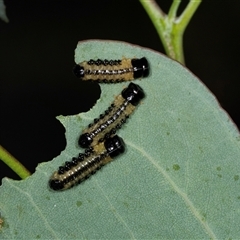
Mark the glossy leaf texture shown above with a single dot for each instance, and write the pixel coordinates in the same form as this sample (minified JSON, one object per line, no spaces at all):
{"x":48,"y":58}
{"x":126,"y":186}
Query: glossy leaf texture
{"x":178,"y":179}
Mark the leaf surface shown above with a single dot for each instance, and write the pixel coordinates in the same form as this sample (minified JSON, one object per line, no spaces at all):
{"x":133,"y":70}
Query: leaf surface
{"x":178,"y":179}
{"x":3,"y":15}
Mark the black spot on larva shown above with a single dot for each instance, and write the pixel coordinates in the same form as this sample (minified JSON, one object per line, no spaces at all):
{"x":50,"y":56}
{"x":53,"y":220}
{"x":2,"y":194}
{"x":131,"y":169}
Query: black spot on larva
{"x":101,"y":116}
{"x":87,"y":154}
{"x":91,"y":62}
{"x":61,"y":170}
{"x":96,"y":120}
{"x":133,"y":93}
{"x":140,"y":67}
{"x":112,"y":71}
{"x":67,"y":165}
{"x":85,"y":140}
{"x":112,"y":147}
{"x":99,"y":62}
{"x":105,"y":62}
{"x":122,"y":122}
{"x":97,"y":159}
{"x":89,"y":150}
{"x":78,"y":71}
{"x":113,"y":131}
{"x":107,"y":135}
{"x":74,"y":161}
{"x":80,"y":157}
{"x":56,"y":184}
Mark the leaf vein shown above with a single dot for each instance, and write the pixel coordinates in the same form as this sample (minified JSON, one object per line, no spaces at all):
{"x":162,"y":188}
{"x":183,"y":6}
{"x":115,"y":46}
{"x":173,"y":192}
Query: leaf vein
{"x":117,"y":215}
{"x":184,"y":196}
{"x":36,"y":207}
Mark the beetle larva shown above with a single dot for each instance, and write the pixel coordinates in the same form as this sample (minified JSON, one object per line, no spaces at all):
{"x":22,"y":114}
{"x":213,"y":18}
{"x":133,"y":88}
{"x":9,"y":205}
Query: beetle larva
{"x":80,"y":168}
{"x":112,"y":71}
{"x":113,"y":118}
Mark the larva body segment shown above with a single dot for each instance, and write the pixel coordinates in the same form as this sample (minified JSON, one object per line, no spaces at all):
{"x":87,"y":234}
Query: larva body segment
{"x":113,"y":118}
{"x":112,"y":71}
{"x":80,"y":168}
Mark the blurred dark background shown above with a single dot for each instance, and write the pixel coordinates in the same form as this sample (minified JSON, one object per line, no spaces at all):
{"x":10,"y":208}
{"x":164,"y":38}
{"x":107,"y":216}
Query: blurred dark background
{"x":37,"y":56}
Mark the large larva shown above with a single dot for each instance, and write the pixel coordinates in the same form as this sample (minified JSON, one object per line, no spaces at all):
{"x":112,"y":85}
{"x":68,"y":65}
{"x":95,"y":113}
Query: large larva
{"x":113,"y":118}
{"x":112,"y":71}
{"x":86,"y":164}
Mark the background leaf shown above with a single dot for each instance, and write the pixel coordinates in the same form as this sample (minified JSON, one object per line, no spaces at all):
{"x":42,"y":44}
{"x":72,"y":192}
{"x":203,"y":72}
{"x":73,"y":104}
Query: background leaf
{"x":179,"y":177}
{"x":3,"y":15}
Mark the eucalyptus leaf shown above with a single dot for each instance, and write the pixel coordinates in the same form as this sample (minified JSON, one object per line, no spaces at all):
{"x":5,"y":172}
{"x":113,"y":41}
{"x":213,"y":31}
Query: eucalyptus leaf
{"x":3,"y":15}
{"x":178,"y":179}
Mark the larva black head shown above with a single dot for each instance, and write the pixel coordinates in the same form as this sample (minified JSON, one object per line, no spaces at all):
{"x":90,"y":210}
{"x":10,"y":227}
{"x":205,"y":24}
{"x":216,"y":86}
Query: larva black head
{"x":78,"y":71}
{"x":114,"y":146}
{"x":84,"y":140}
{"x":133,"y":93}
{"x":140,"y":67}
{"x":56,"y":184}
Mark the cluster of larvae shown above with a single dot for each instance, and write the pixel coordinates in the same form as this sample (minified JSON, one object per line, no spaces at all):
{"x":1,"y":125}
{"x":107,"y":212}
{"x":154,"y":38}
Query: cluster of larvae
{"x":99,"y":139}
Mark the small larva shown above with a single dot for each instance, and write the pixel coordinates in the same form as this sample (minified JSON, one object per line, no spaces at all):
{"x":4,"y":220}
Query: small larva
{"x":86,"y":164}
{"x":113,"y":118}
{"x":112,"y":71}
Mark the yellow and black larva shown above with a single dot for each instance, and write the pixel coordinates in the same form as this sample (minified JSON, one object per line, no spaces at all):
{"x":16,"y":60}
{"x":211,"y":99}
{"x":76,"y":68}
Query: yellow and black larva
{"x":113,"y":118}
{"x":112,"y":71}
{"x":86,"y":164}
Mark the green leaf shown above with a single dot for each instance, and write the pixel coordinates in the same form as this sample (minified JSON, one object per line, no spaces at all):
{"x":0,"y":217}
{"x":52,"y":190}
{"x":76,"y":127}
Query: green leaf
{"x":178,"y":179}
{"x":3,"y":15}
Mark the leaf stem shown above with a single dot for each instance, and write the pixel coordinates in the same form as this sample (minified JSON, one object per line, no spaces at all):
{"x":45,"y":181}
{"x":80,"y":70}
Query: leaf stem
{"x":13,"y":163}
{"x":187,"y":14}
{"x":173,"y":9}
{"x":170,"y":28}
